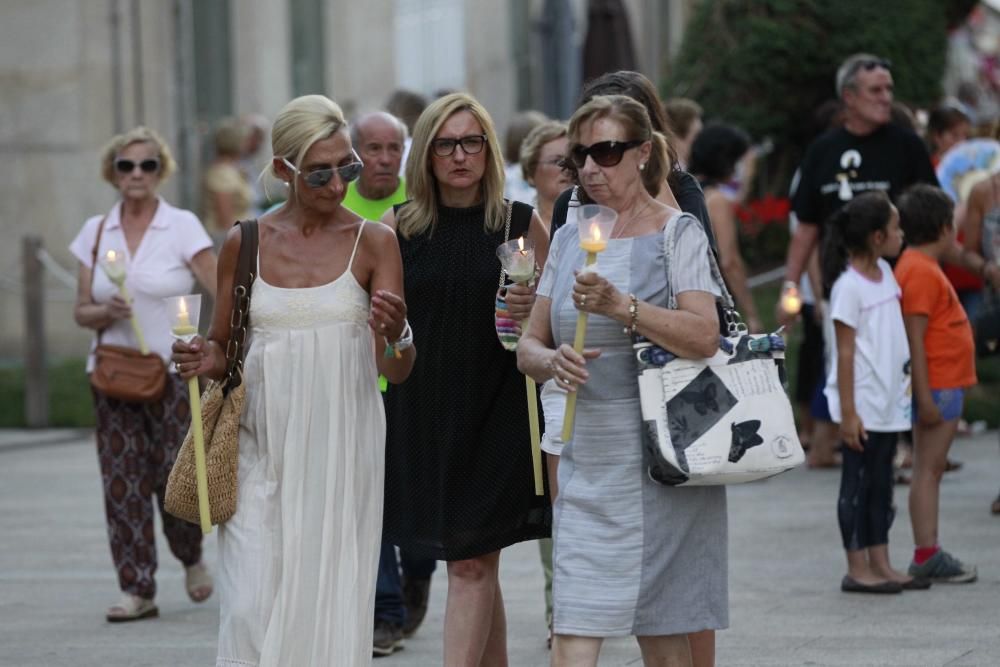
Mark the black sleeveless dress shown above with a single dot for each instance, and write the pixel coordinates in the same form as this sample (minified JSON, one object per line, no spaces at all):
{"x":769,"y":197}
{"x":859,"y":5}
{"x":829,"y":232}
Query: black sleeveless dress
{"x":458,"y":475}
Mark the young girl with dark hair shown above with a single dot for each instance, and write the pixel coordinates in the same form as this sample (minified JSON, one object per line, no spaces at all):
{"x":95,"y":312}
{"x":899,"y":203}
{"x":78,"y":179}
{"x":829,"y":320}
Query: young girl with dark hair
{"x":868,"y":386}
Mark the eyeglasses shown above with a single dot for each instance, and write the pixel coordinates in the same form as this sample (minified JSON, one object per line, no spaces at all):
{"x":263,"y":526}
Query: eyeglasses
{"x":321,"y":177}
{"x":604,"y":153}
{"x":149,"y":166}
{"x":471,"y":145}
{"x":557,"y":161}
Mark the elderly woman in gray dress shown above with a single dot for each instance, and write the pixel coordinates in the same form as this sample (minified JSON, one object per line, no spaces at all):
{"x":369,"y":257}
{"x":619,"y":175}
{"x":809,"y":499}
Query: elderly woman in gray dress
{"x":631,"y":557}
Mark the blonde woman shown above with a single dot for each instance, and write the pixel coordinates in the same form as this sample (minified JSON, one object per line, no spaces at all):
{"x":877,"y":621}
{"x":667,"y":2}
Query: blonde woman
{"x":227,"y":194}
{"x":458,"y":463}
{"x":297,"y":561}
{"x":166,"y":250}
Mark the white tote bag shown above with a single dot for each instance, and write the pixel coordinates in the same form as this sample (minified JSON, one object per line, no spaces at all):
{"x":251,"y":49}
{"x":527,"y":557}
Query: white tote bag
{"x":722,"y":420}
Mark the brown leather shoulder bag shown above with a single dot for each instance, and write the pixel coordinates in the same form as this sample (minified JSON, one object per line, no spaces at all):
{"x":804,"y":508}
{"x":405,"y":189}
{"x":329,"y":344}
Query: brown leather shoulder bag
{"x":122,"y":372}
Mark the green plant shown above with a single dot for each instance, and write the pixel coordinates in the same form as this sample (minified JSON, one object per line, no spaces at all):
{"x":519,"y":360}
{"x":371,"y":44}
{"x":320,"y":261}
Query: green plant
{"x":766,"y":65}
{"x":70,"y":402}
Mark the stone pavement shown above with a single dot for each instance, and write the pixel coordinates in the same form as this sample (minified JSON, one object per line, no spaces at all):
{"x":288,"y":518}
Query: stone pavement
{"x":785,"y":568}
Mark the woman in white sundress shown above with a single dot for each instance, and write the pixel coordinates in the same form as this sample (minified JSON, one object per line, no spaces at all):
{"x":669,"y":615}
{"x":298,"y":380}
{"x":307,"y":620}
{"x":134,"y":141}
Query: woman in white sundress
{"x":297,"y":562}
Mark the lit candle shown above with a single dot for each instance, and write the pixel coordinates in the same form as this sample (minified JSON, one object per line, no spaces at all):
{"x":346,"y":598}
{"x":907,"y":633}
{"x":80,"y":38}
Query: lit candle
{"x":182,"y":325}
{"x":185,"y":329}
{"x":791,"y":301}
{"x":518,"y":261}
{"x":594,"y":243}
{"x":114,"y":269}
{"x":594,"y":240}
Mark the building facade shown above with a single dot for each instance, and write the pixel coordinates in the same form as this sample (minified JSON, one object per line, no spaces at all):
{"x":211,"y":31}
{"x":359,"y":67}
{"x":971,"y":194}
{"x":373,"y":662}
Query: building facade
{"x":76,"y":72}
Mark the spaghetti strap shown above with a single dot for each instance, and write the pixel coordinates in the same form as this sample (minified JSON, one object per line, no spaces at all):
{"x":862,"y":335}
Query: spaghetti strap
{"x":356,"y":242}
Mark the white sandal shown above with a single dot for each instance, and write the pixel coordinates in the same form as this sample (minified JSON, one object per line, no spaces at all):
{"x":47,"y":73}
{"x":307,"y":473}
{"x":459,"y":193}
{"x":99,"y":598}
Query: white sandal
{"x":198,"y":582}
{"x":131,"y":608}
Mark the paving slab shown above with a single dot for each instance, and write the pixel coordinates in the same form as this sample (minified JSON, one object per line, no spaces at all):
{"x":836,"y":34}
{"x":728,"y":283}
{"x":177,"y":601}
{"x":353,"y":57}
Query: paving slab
{"x":785,"y":567}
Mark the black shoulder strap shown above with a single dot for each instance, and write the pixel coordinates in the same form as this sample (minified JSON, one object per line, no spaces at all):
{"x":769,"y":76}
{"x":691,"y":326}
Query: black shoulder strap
{"x":520,"y":217}
{"x":560,"y":211}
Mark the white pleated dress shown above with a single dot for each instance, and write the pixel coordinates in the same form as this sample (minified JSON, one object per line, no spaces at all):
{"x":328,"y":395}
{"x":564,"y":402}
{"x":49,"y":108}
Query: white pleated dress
{"x":297,"y":562}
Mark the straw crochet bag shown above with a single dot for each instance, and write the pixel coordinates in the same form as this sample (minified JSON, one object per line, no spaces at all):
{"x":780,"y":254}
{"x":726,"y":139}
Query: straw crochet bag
{"x":222,"y":407}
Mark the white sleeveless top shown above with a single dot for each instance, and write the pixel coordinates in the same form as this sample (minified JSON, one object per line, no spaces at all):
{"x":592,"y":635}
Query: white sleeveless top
{"x":297,"y":562}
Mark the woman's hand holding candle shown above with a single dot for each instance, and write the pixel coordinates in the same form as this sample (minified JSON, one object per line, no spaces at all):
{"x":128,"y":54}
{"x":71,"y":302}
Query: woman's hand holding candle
{"x":118,"y":308}
{"x":113,"y":264}
{"x":184,"y":327}
{"x":520,"y":301}
{"x":595,"y":224}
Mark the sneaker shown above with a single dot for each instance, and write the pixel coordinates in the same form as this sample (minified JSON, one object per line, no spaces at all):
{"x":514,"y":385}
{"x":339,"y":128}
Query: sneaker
{"x":387,"y":640}
{"x":416,"y":592}
{"x":945,"y":568}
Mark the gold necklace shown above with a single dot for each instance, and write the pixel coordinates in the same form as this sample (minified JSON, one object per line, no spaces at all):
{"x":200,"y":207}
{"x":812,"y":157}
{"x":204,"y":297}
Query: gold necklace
{"x":630,"y":221}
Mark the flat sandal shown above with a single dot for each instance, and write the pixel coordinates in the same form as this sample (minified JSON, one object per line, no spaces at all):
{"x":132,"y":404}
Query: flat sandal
{"x":131,"y":608}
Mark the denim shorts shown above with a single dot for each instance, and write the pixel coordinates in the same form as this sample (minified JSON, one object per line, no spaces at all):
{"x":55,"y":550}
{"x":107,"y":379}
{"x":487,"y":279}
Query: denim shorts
{"x":949,"y":401}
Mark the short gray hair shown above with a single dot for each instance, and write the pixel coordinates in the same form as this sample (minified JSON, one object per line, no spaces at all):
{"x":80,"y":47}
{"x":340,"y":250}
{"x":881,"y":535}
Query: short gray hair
{"x":356,"y":125}
{"x":847,"y":73}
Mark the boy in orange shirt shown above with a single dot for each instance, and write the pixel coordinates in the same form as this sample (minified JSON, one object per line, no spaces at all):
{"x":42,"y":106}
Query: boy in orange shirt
{"x":942,"y":354}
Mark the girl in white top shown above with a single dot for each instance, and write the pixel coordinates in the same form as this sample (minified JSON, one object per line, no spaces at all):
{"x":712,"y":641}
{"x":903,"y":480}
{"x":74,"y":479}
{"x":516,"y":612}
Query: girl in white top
{"x":165,"y":250}
{"x":868,"y":387}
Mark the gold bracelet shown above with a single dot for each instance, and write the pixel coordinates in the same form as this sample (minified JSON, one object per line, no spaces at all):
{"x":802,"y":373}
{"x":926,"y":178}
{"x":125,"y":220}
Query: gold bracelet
{"x":633,"y":311}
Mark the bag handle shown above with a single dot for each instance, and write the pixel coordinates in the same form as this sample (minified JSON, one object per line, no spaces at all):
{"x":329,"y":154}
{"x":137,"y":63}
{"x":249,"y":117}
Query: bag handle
{"x":734,"y":321}
{"x":506,"y":236}
{"x":239,"y":318}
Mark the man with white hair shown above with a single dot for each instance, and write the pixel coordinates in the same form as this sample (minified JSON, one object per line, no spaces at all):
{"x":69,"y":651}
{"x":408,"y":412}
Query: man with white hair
{"x":867,"y":153}
{"x":378,"y":138}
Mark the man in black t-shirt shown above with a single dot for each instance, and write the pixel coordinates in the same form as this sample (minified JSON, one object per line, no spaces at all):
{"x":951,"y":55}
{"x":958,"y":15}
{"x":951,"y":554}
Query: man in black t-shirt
{"x":867,"y":153}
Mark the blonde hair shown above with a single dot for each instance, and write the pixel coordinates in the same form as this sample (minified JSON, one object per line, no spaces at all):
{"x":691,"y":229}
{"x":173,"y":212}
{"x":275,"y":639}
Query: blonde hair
{"x":531,"y":147}
{"x":137,"y":135}
{"x":420,"y":215}
{"x":300,"y":124}
{"x":635,"y":120}
{"x":229,"y":137}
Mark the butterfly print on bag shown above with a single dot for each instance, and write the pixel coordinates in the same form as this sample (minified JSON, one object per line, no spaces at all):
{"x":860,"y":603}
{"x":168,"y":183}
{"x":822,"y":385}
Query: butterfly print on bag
{"x":695,"y":410}
{"x":745,"y":436}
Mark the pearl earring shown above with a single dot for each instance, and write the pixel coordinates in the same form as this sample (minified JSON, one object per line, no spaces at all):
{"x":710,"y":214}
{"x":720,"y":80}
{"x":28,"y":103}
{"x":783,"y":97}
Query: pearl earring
{"x":642,"y":166}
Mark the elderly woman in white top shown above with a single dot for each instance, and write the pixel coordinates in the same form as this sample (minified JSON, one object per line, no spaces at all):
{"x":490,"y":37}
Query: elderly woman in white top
{"x":166,"y":249}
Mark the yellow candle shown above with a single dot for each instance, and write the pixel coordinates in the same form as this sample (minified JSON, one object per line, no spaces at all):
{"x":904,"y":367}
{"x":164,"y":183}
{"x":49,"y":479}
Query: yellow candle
{"x":578,"y":339}
{"x":114,"y":268}
{"x":183,"y":319}
{"x":200,"y":468}
{"x":595,"y":243}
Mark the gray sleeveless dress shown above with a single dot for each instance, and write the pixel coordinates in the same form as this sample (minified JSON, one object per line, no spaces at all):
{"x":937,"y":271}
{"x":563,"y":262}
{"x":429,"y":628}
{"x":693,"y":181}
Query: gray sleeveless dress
{"x":631,"y":557}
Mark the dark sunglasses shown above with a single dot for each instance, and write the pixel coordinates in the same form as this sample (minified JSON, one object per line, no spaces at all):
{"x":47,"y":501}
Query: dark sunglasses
{"x":471,"y":145}
{"x":150,"y":166}
{"x":321,"y":177}
{"x":867,"y":64}
{"x":604,"y":153}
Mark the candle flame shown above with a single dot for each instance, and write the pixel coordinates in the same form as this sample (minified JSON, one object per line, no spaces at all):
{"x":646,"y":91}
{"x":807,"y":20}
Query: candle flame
{"x":595,"y":232}
{"x":112,"y":256}
{"x":520,"y":244}
{"x":182,"y":307}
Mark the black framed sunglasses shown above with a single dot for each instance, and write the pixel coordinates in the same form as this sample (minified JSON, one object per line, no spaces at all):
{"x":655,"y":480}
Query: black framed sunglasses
{"x":867,"y":64}
{"x":321,"y":177}
{"x":471,"y":145}
{"x":148,"y":166}
{"x":604,"y":153}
